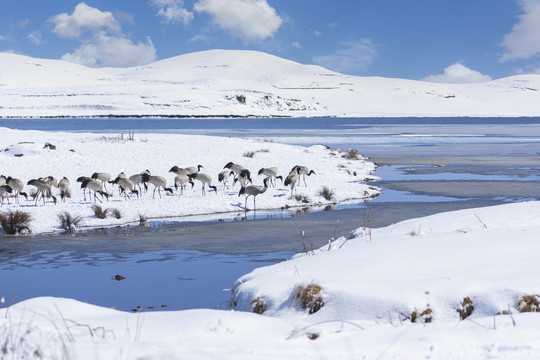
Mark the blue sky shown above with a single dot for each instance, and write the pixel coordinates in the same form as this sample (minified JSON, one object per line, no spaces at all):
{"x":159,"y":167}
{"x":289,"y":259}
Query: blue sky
{"x":452,"y":41}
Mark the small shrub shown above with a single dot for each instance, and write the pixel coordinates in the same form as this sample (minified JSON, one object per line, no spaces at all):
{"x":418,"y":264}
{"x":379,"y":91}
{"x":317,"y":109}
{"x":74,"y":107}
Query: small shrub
{"x":15,"y":222}
{"x":423,"y":317}
{"x":326,"y":193}
{"x":259,"y":306}
{"x":309,"y":297}
{"x":301,"y":198}
{"x":69,"y":223}
{"x":263,"y":150}
{"x":352,"y":154}
{"x":528,"y":303}
{"x":466,"y":308}
{"x":99,"y":211}
{"x":142,"y":221}
{"x":116,"y":213}
{"x":249,"y":154}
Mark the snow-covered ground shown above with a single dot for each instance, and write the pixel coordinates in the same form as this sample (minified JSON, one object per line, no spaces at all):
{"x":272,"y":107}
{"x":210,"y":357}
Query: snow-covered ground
{"x":370,"y":285}
{"x":24,"y":156}
{"x":244,"y":83}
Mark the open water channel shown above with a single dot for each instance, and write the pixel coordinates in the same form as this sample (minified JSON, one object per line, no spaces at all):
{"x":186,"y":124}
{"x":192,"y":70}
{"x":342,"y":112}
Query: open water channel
{"x":426,"y":166}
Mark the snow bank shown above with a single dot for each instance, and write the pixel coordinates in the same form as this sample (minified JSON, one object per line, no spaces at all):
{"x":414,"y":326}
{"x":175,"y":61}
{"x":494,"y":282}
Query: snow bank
{"x":25,"y":157}
{"x":370,"y":285}
{"x":244,"y":83}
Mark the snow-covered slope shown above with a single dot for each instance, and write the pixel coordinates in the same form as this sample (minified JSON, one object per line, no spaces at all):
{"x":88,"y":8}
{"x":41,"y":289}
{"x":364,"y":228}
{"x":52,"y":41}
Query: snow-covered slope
{"x":482,"y":260}
{"x":244,"y":83}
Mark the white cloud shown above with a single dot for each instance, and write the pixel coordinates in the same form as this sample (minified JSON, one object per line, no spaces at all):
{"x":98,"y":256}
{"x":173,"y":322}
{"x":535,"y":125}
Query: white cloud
{"x":458,"y":73}
{"x":2,"y":38}
{"x":350,"y":56}
{"x":113,"y":51}
{"x":101,"y":38}
{"x":201,"y":38}
{"x":249,"y":20}
{"x":84,"y":18}
{"x":296,"y":45}
{"x":35,"y":37}
{"x":172,"y":11}
{"x":523,"y":42}
{"x":317,"y":33}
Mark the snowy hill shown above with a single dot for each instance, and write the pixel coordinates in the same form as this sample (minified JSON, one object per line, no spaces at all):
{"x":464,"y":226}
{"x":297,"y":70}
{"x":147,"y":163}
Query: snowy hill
{"x":244,"y":83}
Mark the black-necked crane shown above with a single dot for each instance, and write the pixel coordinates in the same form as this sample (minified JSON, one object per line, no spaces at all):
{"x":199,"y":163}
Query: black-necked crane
{"x":63,"y":185}
{"x":103,"y":177}
{"x":181,"y":181}
{"x":253,"y":190}
{"x":125,"y":184}
{"x":204,"y":179}
{"x":186,"y":171}
{"x":17,"y":186}
{"x":194,"y":169}
{"x":137,"y":179}
{"x":43,"y":189}
{"x":158,"y":182}
{"x":270,"y":173}
{"x":243,"y":177}
{"x":51,"y":180}
{"x":234,"y":167}
{"x":3,"y":180}
{"x":224,"y":175}
{"x":82,"y":179}
{"x":96,"y":186}
{"x":303,"y":171}
{"x":291,"y":180}
{"x":5,"y":190}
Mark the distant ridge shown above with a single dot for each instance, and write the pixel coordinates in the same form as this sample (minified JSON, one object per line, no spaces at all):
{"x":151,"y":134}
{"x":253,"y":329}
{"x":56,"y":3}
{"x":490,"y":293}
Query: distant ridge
{"x":238,"y":83}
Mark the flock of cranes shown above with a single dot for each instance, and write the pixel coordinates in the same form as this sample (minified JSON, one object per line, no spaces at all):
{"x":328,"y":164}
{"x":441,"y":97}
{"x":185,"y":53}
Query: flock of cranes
{"x":133,"y":185}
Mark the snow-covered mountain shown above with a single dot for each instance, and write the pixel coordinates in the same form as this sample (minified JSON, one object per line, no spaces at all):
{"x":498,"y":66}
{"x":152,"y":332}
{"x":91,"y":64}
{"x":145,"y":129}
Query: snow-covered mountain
{"x":244,"y":83}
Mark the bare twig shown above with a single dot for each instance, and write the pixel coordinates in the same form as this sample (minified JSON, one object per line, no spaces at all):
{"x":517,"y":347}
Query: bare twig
{"x":481,"y":222}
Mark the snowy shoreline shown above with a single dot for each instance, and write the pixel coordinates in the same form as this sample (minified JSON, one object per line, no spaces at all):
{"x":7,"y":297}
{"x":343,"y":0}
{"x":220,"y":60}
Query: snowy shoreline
{"x":369,"y":287}
{"x":26,"y":157}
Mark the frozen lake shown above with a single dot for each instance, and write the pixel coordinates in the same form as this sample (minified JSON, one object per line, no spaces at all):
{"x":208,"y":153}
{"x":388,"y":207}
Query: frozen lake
{"x":426,"y":166}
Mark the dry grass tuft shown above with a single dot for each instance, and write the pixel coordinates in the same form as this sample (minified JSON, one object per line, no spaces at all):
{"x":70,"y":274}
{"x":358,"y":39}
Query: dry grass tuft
{"x":259,"y":305}
{"x":326,"y":193}
{"x":116,"y":213}
{"x":100,"y":212}
{"x":352,"y":154}
{"x":302,"y":198}
{"x":528,"y":303}
{"x":15,"y":222}
{"x":309,"y":297}
{"x":249,"y":154}
{"x":68,"y":222}
{"x":466,"y":308}
{"x":423,"y":317}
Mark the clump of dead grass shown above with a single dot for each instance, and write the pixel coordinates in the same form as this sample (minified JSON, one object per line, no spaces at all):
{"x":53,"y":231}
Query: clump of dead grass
{"x":309,"y":297}
{"x":466,"y":308}
{"x":352,"y":154}
{"x":259,"y":305}
{"x":528,"y":303}
{"x":69,"y":222}
{"x":302,"y":198}
{"x":99,"y":211}
{"x":15,"y":222}
{"x":421,"y":317}
{"x":116,"y":213}
{"x":326,"y":193}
